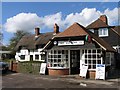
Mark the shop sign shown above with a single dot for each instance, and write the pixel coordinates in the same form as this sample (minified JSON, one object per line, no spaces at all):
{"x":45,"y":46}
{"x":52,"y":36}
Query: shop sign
{"x":83,"y":70}
{"x":61,"y":43}
{"x":100,"y":71}
{"x":43,"y":68}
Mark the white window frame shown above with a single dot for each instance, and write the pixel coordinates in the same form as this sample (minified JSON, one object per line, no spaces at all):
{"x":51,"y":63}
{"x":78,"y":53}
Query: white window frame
{"x":103,"y":32}
{"x":91,"y":58}
{"x":59,"y":59}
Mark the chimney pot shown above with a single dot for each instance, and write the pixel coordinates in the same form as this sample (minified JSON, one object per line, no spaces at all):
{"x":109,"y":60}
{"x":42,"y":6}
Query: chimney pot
{"x":104,"y":19}
{"x":37,"y":29}
{"x":56,"y":28}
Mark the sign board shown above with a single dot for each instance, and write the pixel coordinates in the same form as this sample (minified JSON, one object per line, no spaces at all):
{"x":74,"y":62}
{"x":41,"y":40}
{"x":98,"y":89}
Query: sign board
{"x":100,"y":71}
{"x":83,"y":70}
{"x":42,"y":68}
{"x":62,"y":43}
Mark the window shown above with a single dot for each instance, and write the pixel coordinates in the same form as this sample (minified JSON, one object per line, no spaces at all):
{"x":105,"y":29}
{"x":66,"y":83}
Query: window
{"x":58,"y":58}
{"x":22,"y":57}
{"x":36,"y":57}
{"x":92,"y":57}
{"x":91,"y":30}
{"x":109,"y":58}
{"x":42,"y":56}
{"x":103,"y":32}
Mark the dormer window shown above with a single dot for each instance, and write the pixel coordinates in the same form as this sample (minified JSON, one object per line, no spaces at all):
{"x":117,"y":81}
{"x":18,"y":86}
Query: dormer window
{"x":103,"y":32}
{"x":91,"y":30}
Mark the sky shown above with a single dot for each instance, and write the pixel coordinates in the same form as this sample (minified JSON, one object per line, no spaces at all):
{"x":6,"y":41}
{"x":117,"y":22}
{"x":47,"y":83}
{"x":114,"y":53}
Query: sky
{"x":28,"y":15}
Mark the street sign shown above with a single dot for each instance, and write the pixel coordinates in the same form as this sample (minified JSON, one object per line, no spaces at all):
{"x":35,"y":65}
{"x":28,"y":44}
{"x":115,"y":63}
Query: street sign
{"x":100,"y":71}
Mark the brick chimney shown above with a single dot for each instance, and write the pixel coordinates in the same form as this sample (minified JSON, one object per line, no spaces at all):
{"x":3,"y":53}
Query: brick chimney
{"x":104,"y":19}
{"x":37,"y":29}
{"x":56,"y":28}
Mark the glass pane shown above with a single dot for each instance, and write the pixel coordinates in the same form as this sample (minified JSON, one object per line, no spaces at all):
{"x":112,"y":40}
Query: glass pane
{"x":55,"y":60}
{"x":59,"y":60}
{"x":94,"y":61}
{"x":55,"y":56}
{"x":99,"y":62}
{"x":93,"y":51}
{"x":59,"y":56}
{"x":89,"y":66}
{"x":55,"y":52}
{"x":89,"y":51}
{"x":85,"y":56}
{"x":94,"y":56}
{"x":89,"y":56}
{"x":89,"y":61}
{"x":98,"y":51}
{"x":94,"y":66}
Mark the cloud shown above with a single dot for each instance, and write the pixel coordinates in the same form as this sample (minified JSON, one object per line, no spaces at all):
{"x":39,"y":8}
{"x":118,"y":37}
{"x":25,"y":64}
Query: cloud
{"x":28,"y":21}
{"x":22,"y":21}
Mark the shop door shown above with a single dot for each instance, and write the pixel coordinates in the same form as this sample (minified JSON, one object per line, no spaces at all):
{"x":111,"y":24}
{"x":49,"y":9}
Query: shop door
{"x":74,"y":61}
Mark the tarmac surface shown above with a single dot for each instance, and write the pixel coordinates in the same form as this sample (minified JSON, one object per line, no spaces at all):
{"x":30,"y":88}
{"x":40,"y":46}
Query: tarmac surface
{"x":19,"y":80}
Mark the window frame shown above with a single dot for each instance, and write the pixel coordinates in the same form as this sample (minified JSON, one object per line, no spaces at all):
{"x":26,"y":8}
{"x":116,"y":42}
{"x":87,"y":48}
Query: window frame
{"x":90,"y":60}
{"x":103,"y":32}
{"x":57,"y":59}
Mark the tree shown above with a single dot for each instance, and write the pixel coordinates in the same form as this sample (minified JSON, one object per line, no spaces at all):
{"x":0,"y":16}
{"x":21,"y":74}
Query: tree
{"x":15,"y":39}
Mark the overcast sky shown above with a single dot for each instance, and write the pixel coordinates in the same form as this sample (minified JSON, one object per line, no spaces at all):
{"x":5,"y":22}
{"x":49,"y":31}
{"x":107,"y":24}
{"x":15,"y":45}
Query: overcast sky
{"x":28,"y":15}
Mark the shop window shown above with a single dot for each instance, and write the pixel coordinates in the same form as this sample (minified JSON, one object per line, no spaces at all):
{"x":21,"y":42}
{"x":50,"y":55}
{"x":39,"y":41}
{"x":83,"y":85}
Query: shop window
{"x":22,"y":57}
{"x":92,"y":57}
{"x":58,"y":58}
{"x":36,"y":57}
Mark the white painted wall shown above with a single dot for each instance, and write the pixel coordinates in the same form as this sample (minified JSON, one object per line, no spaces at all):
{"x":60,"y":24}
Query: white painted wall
{"x":27,"y":54}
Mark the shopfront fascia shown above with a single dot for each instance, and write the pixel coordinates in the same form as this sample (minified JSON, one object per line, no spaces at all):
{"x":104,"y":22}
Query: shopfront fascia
{"x":67,"y":56}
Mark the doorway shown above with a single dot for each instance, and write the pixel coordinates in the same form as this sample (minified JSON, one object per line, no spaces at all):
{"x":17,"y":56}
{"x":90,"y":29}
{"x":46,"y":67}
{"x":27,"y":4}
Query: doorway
{"x":74,"y":61}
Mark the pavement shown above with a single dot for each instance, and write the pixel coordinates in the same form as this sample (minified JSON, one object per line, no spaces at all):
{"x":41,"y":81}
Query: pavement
{"x":72,"y":81}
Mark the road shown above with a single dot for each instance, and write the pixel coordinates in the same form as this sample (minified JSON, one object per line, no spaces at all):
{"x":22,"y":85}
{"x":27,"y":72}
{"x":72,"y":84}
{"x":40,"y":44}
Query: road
{"x":19,"y":80}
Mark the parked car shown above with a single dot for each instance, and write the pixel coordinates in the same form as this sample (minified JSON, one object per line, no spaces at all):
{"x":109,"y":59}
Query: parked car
{"x":3,"y":67}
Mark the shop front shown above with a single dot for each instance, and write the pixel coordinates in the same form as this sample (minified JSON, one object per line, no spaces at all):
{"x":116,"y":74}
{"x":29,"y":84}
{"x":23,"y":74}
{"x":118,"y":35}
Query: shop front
{"x":67,"y":54}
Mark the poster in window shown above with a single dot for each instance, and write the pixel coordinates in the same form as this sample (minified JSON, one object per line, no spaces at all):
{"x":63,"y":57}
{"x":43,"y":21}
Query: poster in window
{"x":100,"y":71}
{"x":43,"y":68}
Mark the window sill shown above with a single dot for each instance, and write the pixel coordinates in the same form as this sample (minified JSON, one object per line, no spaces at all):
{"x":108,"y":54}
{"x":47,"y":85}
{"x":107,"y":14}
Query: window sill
{"x":57,"y":68}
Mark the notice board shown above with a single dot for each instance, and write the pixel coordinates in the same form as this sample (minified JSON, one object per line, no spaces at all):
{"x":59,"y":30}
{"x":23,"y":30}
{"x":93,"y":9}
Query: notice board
{"x":43,"y":68}
{"x":100,"y":71}
{"x":83,"y":70}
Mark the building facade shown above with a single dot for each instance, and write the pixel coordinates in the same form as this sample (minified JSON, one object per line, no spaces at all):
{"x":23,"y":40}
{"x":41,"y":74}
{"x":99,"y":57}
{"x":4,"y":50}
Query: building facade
{"x":29,"y":48}
{"x":74,"y":47}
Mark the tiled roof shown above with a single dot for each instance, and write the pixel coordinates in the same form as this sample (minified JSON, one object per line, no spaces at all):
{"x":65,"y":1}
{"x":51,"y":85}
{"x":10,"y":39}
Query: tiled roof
{"x":97,"y":24}
{"x":117,"y":29}
{"x":78,"y":30}
{"x":74,"y":30}
{"x":101,"y":42}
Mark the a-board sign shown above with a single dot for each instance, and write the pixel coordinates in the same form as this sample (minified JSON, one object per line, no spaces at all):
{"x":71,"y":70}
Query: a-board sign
{"x":43,"y":68}
{"x":100,"y":71}
{"x":83,"y":70}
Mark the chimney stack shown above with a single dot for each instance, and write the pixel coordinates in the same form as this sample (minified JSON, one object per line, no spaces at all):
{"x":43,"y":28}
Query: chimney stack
{"x":104,"y":19}
{"x":37,"y":29}
{"x":56,"y":28}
